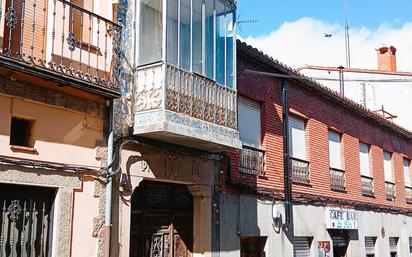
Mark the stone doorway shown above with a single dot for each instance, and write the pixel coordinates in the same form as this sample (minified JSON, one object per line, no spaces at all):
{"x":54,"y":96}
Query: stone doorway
{"x":161,"y":220}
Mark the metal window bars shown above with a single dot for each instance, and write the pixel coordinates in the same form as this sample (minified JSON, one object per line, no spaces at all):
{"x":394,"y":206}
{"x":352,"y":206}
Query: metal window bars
{"x":367,"y":186}
{"x":337,"y":179}
{"x":300,"y":171}
{"x":24,"y":228}
{"x":60,"y":37}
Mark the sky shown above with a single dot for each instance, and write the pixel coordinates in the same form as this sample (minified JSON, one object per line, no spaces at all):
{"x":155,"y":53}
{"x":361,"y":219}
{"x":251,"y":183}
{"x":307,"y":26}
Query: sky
{"x":293,"y":30}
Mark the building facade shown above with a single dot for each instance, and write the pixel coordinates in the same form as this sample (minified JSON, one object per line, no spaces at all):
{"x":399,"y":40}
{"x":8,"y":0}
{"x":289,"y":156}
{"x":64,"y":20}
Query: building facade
{"x":58,"y":72}
{"x":384,"y":89}
{"x":179,"y":94}
{"x":349,"y":170}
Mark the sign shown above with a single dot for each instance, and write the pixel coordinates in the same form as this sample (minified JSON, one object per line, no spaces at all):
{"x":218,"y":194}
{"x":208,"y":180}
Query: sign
{"x":341,"y":219}
{"x":324,"y":249}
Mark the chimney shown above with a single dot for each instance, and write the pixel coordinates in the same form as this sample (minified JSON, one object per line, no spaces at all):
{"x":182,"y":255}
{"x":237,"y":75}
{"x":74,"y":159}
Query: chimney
{"x":386,"y":58}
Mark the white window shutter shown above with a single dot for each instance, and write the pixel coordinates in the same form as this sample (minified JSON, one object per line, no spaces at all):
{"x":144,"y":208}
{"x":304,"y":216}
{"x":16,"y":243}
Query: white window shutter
{"x":387,"y":166}
{"x":249,"y":122}
{"x":406,"y":172}
{"x":334,"y":150}
{"x":297,"y":139}
{"x":364,"y":159}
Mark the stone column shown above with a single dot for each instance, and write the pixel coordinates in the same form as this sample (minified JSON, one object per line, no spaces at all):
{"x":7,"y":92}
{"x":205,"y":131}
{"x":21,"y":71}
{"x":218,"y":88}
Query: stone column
{"x":202,"y":220}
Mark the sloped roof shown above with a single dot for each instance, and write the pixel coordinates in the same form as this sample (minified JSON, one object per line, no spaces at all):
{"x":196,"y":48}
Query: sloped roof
{"x":321,"y":89}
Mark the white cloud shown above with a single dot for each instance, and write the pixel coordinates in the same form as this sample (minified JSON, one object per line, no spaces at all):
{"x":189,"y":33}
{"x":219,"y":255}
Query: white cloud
{"x":302,"y":42}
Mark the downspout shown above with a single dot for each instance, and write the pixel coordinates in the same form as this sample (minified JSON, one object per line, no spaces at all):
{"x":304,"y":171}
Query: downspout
{"x":109,"y":184}
{"x":286,"y":169}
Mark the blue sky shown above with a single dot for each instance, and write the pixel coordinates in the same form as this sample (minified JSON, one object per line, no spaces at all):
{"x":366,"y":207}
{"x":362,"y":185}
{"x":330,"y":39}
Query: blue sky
{"x":362,"y":13}
{"x":293,"y":30}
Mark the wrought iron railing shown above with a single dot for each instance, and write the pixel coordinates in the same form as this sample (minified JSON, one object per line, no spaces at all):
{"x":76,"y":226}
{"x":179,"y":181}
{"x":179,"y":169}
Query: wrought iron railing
{"x":60,"y":38}
{"x":367,"y":186}
{"x":300,"y":171}
{"x":408,"y":194}
{"x":252,"y":161}
{"x":337,"y":179}
{"x":390,"y":191}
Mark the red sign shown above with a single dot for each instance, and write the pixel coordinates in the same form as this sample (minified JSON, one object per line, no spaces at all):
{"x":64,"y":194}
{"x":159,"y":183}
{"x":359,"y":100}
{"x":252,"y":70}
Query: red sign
{"x":324,"y":249}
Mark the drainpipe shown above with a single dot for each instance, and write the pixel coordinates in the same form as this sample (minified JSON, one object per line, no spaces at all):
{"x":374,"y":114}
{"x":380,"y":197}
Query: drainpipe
{"x":109,"y":184}
{"x":286,"y":169}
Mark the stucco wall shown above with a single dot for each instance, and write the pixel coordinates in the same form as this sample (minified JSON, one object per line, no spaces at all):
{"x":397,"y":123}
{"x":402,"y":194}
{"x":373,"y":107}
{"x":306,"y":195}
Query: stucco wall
{"x":60,"y":135}
{"x":254,"y":219}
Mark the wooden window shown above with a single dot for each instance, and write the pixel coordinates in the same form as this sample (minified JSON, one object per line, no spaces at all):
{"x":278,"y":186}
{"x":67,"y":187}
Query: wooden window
{"x":81,"y":23}
{"x":20,"y":132}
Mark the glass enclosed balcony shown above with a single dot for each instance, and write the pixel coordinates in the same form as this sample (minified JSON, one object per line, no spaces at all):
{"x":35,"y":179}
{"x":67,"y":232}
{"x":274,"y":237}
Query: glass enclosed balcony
{"x":185,"y":87}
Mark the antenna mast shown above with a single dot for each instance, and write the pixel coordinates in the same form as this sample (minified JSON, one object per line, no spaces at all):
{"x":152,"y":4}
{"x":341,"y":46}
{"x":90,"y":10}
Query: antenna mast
{"x":347,"y":47}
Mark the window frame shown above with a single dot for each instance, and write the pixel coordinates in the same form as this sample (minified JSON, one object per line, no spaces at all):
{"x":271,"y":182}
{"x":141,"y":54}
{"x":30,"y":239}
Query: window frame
{"x":331,"y":131}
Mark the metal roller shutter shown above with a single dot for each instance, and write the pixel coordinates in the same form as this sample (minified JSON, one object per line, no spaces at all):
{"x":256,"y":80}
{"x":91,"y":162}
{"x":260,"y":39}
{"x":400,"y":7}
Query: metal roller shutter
{"x":393,"y":243}
{"x":249,"y":122}
{"x":370,"y":245}
{"x":301,"y":247}
{"x":410,"y":245}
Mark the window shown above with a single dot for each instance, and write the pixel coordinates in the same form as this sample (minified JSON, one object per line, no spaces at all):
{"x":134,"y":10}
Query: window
{"x":20,"y":132}
{"x":252,"y":246}
{"x":334,"y":150}
{"x":387,"y":166}
{"x":172,"y":29}
{"x":197,"y":32}
{"x":406,"y":172}
{"x":297,"y":139}
{"x":301,"y":246}
{"x":150,"y":31}
{"x":393,"y":246}
{"x":370,"y":246}
{"x":364,"y":159}
{"x":249,"y":113}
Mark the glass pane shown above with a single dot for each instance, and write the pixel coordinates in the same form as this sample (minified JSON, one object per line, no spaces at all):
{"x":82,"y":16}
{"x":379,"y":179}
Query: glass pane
{"x":171,"y":38}
{"x":220,"y":42}
{"x":230,"y":35}
{"x":185,"y":34}
{"x":209,"y":8}
{"x":197,"y":36}
{"x":150,"y":31}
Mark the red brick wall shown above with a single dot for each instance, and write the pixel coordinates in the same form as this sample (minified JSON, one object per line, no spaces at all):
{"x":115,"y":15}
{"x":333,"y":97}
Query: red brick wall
{"x":322,"y":114}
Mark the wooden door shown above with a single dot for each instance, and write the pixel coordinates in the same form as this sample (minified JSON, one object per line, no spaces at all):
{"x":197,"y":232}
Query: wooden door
{"x":162,"y":221}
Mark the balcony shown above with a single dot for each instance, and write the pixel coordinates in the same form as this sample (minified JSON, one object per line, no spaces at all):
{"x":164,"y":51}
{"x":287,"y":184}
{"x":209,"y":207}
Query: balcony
{"x":337,"y":179}
{"x":185,"y":108}
{"x":367,"y":186}
{"x":300,"y":171}
{"x":252,"y":161}
{"x":60,"y":42}
{"x":408,"y":194}
{"x":390,"y":191}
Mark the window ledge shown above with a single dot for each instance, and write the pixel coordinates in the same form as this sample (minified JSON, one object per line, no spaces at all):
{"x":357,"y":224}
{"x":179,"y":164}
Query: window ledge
{"x":23,"y":149}
{"x":308,"y":184}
